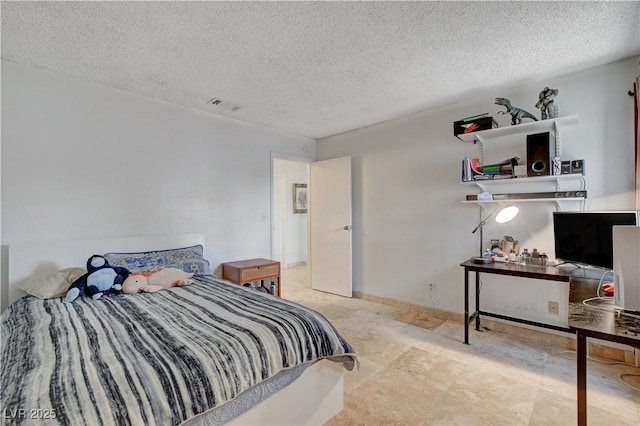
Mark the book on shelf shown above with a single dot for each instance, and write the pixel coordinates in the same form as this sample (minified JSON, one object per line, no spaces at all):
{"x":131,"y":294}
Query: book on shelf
{"x":473,"y":170}
{"x":492,"y":177}
{"x":470,"y":169}
{"x":475,"y":117}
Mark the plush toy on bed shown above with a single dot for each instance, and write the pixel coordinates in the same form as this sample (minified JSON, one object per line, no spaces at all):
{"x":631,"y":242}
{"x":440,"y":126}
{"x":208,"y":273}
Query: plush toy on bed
{"x":101,"y":278}
{"x":150,"y":282}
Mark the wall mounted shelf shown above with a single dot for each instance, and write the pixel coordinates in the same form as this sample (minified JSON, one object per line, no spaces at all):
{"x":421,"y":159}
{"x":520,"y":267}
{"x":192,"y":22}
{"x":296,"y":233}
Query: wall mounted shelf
{"x":577,"y":181}
{"x":557,"y":179}
{"x":485,"y":185}
{"x":558,"y":201}
{"x":552,"y":124}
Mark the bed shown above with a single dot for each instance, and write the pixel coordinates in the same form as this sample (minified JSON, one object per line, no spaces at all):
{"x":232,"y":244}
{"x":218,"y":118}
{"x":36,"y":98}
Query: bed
{"x":210,"y":352}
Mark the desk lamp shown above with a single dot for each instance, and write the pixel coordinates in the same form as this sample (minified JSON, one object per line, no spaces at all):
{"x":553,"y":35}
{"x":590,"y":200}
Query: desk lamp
{"x":506,"y":214}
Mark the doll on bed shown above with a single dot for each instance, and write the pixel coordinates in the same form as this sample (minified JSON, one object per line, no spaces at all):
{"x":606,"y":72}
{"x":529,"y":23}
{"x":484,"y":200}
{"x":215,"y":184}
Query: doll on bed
{"x":150,"y":282}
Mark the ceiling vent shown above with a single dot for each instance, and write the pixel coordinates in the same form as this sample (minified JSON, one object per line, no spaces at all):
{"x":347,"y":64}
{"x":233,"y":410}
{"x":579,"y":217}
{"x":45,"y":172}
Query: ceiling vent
{"x":224,"y":105}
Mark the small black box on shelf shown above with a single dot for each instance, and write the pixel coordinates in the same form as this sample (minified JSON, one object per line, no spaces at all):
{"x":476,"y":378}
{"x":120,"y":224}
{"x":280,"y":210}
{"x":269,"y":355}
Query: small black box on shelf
{"x":565,"y":168}
{"x":470,"y":125}
{"x":577,"y":167}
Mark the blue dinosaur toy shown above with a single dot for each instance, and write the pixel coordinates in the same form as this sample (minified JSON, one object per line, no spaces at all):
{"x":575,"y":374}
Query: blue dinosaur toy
{"x":101,"y":278}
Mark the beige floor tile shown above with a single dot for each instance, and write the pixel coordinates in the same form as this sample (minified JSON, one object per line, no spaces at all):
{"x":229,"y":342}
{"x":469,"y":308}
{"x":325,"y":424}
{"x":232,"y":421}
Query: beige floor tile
{"x":605,"y":391}
{"x":515,"y":398}
{"x":394,"y":397}
{"x":559,"y":376}
{"x":417,"y":370}
{"x":421,"y":365}
{"x":514,"y":361}
{"x":449,"y":411}
{"x":357,"y":377}
{"x":553,"y":409}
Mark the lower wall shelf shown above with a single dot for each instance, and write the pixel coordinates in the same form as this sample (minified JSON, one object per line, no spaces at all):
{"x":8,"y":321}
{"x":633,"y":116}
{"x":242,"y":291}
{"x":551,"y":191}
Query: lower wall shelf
{"x":558,"y":201}
{"x":525,"y":200}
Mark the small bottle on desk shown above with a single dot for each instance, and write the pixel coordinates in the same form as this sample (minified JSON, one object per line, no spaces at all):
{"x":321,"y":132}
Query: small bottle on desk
{"x":535,"y":257}
{"x":513,"y":256}
{"x":543,"y":259}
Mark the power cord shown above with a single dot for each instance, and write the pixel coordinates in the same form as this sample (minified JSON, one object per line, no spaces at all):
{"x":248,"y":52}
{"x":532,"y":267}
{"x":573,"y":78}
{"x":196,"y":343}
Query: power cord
{"x":483,"y":327}
{"x":585,"y":302}
{"x":621,"y":376}
{"x":616,"y":310}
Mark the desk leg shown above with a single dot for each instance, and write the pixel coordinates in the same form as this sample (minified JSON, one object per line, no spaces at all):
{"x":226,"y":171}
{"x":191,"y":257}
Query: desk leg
{"x":582,"y":378}
{"x":466,"y":306}
{"x":477,"y":301}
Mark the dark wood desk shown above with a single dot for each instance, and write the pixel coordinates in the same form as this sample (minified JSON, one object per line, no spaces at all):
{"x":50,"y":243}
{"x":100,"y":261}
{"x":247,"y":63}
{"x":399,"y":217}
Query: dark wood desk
{"x":549,"y":273}
{"x":589,"y":321}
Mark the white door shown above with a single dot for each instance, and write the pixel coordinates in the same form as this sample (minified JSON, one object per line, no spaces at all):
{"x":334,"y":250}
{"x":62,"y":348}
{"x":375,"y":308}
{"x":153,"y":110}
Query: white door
{"x":330,"y":226}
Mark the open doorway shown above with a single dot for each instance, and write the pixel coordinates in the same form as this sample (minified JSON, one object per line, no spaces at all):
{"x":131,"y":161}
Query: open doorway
{"x":289,"y":230}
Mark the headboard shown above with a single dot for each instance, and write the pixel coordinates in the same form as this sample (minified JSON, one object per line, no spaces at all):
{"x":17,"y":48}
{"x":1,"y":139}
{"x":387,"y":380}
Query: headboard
{"x":26,"y":260}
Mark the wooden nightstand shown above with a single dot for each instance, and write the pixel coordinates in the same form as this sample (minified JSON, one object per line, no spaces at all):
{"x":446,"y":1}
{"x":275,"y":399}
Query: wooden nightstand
{"x":244,"y":271}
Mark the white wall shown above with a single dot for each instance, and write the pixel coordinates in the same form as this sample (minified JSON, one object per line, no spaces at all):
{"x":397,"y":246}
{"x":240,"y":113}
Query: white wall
{"x":410,"y":227}
{"x":295,"y":235}
{"x":80,"y":160}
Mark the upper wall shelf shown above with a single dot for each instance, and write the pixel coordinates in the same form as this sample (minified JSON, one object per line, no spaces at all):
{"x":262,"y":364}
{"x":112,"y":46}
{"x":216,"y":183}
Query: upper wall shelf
{"x":551,"y":124}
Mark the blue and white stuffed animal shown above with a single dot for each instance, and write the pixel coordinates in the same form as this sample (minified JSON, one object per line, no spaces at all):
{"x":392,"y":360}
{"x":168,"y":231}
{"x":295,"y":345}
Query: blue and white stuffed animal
{"x":101,"y":278}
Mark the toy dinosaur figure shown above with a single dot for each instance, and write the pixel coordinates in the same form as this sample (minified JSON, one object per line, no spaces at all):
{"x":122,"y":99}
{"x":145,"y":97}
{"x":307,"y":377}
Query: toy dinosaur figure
{"x":517,"y":114}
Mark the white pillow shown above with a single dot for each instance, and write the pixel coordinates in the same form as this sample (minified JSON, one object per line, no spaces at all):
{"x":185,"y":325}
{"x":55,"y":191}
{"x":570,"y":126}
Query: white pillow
{"x":53,"y":284}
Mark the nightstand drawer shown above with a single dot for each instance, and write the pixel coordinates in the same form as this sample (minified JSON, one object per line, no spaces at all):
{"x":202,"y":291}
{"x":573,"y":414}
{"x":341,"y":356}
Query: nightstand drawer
{"x":259,"y":272}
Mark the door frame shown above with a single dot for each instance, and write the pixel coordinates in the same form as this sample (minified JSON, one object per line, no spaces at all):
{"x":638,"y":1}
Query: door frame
{"x":279,"y":219}
{"x":286,"y":157}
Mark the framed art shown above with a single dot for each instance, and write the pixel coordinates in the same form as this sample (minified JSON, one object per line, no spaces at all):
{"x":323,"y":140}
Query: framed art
{"x":299,"y":197}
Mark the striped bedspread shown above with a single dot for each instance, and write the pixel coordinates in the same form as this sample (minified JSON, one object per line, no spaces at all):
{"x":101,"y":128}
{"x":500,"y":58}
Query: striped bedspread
{"x":157,"y":358}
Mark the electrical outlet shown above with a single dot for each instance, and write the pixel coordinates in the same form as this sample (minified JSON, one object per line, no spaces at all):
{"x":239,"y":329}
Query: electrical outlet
{"x":431,"y":287}
{"x":553,"y":308}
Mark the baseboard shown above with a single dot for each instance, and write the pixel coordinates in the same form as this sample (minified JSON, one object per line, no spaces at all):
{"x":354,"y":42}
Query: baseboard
{"x":295,"y":264}
{"x":410,"y":307}
{"x":416,"y":314}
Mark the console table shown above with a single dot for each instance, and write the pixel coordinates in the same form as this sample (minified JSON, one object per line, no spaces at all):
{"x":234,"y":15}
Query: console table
{"x":549,"y":273}
{"x":599,"y":322}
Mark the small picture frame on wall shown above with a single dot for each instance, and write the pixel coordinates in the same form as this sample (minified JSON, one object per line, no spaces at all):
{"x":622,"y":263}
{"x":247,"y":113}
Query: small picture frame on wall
{"x":299,"y":197}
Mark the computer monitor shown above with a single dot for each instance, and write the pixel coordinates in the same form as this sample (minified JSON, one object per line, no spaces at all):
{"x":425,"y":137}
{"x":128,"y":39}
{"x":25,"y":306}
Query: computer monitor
{"x":585,"y":238}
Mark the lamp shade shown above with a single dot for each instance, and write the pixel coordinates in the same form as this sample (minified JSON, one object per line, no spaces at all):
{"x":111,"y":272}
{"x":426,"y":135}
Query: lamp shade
{"x":507,"y":214}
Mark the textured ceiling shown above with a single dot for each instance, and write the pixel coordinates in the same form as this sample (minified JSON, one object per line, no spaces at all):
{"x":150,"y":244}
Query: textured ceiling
{"x":317,"y":68}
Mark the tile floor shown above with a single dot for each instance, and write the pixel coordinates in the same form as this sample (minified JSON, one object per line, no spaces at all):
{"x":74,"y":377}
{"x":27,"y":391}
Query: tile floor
{"x":424,"y":375}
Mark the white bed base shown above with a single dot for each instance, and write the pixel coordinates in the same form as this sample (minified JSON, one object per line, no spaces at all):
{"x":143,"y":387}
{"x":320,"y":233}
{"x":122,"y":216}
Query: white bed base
{"x":312,"y":399}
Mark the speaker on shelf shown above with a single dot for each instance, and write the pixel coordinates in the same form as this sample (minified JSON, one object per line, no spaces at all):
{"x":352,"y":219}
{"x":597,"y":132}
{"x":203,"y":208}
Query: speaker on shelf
{"x":538,"y":154}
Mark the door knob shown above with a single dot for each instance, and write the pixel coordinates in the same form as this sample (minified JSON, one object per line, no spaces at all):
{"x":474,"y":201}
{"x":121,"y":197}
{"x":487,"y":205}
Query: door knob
{"x":346,"y":227}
